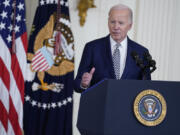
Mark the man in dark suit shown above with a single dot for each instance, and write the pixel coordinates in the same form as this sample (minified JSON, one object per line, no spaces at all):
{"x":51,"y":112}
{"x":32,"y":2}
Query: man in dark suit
{"x":111,"y":56}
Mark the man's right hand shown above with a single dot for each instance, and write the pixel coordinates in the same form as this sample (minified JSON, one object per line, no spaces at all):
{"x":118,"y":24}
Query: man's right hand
{"x":87,"y":77}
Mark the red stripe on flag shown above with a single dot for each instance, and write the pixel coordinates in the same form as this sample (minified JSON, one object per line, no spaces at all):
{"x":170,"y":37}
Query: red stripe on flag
{"x":37,"y":52}
{"x":24,"y":41}
{"x":13,"y":117}
{"x":4,"y":74}
{"x":43,"y":63}
{"x":46,"y":68}
{"x":37,"y":60}
{"x":38,"y":65}
{"x":43,"y":67}
{"x":16,"y":70}
{"x":4,"y":116}
{"x":37,"y":55}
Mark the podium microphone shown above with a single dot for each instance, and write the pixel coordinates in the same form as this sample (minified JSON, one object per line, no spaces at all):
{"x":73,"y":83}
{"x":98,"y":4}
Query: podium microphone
{"x":151,"y":62}
{"x":139,"y":61}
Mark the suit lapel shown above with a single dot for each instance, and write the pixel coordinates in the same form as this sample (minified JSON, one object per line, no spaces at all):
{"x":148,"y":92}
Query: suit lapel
{"x":128,"y":61}
{"x":108,"y":54}
{"x":109,"y":61}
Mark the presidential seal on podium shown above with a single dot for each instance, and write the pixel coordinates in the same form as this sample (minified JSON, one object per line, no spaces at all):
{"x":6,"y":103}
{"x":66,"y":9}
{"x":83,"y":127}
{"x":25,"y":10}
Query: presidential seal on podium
{"x":150,"y":107}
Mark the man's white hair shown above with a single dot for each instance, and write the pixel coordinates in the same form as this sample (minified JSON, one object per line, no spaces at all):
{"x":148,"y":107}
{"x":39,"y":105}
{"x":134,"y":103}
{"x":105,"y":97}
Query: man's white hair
{"x":121,"y":7}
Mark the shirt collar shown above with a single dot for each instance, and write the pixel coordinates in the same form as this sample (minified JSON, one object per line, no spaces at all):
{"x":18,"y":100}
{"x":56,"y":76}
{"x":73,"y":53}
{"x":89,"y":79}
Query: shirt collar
{"x":123,"y":43}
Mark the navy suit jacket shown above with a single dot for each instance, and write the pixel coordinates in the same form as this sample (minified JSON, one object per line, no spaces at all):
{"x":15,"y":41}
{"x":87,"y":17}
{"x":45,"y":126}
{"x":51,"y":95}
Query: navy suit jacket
{"x":97,"y":54}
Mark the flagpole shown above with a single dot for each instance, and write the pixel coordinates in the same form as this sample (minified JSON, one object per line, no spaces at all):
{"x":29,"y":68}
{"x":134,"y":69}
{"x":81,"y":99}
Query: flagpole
{"x":13,"y":27}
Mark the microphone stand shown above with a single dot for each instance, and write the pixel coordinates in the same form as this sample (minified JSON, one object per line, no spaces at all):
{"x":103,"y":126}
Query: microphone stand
{"x":152,"y":68}
{"x":139,"y":62}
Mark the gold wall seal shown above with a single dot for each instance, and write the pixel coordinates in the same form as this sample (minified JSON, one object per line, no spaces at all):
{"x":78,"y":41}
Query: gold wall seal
{"x":150,"y":107}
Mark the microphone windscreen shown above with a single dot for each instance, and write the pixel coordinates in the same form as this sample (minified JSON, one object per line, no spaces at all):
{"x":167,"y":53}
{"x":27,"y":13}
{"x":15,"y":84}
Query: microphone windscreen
{"x":147,"y":56}
{"x":134,"y":54}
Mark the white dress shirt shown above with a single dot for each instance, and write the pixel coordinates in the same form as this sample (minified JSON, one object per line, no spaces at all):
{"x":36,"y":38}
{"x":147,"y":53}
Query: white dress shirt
{"x":123,"y":52}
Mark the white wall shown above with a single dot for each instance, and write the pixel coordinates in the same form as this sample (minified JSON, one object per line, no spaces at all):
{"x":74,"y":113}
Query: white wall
{"x":158,"y":29}
{"x":156,"y":26}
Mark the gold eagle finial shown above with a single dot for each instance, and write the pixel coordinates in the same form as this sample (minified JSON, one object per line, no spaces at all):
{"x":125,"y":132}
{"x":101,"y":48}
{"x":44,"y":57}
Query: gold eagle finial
{"x":83,"y":6}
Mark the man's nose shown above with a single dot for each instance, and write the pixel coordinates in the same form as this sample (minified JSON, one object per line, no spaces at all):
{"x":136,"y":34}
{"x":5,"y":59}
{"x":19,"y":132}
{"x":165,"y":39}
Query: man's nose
{"x":116,"y":26}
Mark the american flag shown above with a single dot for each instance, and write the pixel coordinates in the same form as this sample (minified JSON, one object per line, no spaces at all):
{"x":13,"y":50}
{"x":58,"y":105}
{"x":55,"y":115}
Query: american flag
{"x":12,"y":66}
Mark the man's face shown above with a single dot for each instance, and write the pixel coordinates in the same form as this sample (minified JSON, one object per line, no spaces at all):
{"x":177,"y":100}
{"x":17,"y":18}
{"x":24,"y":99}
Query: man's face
{"x":119,"y":24}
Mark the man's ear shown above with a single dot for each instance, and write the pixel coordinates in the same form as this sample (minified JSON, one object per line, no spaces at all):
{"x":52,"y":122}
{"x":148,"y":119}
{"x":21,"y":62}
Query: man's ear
{"x":130,"y":26}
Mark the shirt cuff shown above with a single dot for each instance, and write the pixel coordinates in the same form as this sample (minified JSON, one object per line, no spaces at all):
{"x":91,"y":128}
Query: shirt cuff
{"x":83,"y":87}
